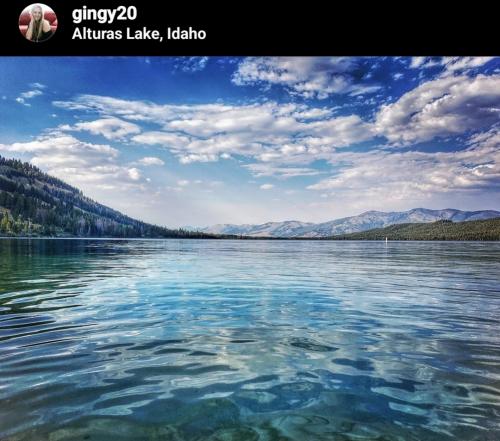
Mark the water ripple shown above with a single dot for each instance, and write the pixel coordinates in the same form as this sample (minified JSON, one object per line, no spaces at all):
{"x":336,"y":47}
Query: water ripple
{"x":249,"y":340}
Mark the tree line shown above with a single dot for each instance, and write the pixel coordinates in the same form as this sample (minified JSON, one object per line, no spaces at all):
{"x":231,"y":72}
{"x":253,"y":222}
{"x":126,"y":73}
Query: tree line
{"x":35,"y":203}
{"x":488,"y":229}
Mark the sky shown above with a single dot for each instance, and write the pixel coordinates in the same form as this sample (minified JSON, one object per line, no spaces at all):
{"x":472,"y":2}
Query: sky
{"x":197,"y":141}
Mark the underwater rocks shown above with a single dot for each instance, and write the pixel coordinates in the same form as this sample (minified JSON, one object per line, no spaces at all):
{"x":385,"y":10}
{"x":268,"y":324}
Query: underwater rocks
{"x":310,"y":345}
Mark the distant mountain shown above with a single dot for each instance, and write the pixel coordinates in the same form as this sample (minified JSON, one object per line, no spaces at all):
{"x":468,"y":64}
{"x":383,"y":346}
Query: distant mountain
{"x":270,"y":229}
{"x":363,"y":222}
{"x":440,"y":230}
{"x":35,"y":203}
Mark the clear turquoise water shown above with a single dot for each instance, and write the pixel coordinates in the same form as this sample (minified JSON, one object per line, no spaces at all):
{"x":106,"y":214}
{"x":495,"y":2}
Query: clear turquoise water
{"x":248,"y":340}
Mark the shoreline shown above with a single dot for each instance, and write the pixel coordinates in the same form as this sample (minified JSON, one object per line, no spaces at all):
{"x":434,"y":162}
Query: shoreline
{"x":309,"y":239}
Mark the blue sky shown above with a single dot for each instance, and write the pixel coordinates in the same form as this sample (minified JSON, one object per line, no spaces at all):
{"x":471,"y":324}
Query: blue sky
{"x":203,"y":140}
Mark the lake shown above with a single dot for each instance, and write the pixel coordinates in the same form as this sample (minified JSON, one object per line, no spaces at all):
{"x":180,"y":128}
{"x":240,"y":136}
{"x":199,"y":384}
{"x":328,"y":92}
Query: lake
{"x":249,"y":340}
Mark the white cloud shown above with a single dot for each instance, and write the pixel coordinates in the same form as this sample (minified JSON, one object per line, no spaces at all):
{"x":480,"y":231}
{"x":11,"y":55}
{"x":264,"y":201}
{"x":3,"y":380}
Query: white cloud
{"x":423,"y":62}
{"x":38,"y":85}
{"x":450,"y":65}
{"x":343,"y":130}
{"x":132,"y":110}
{"x":167,"y":139}
{"x":310,"y":77}
{"x":266,"y":186}
{"x":87,"y":166}
{"x":191,"y":64}
{"x":21,"y":101}
{"x":31,"y":94}
{"x":453,"y":64}
{"x":441,"y":107}
{"x":110,"y":128}
{"x":57,"y":142}
{"x":306,"y":113}
{"x":489,"y":139}
{"x":283,"y":140}
{"x":287,"y":140}
{"x":134,"y":173}
{"x":207,"y":132}
{"x":414,"y":176}
{"x":266,"y":169}
{"x":195,"y":157}
{"x":151,"y":160}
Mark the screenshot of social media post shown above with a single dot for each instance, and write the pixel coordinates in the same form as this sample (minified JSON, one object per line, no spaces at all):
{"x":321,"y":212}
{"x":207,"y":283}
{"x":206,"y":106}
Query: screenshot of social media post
{"x":231,"y":230}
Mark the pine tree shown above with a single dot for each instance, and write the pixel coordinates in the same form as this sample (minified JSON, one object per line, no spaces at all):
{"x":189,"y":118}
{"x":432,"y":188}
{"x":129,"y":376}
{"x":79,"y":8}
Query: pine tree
{"x":5,"y":224}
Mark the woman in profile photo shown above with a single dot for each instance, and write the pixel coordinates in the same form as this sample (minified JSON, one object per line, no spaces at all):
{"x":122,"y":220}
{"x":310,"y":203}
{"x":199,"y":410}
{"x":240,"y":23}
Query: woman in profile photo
{"x":39,"y":28}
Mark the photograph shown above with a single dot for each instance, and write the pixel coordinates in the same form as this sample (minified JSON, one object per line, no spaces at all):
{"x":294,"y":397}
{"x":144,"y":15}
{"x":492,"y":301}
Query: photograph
{"x":37,"y":22}
{"x":247,"y":247}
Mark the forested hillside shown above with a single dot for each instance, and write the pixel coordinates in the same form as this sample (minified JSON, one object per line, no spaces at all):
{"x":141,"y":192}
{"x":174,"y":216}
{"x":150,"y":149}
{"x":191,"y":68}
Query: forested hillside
{"x":441,"y":230}
{"x":35,"y":203}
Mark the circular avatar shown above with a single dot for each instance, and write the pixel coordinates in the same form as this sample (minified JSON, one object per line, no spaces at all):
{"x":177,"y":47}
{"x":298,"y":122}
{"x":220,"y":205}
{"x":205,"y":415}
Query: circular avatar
{"x":38,"y":22}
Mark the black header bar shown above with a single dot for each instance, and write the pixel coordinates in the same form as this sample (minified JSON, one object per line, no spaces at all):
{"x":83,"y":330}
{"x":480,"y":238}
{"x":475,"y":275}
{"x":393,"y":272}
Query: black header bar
{"x":161,"y":28}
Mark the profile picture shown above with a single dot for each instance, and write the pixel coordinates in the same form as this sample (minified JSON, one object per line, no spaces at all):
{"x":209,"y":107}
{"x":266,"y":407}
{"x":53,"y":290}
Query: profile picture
{"x":38,"y":22}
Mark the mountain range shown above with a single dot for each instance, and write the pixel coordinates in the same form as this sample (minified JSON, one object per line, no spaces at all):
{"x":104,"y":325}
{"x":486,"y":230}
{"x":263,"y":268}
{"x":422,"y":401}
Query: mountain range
{"x":34,"y":203}
{"x":346,"y":225}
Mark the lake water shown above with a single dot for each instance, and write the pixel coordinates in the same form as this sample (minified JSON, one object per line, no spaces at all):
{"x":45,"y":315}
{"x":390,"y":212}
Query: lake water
{"x":249,"y":340}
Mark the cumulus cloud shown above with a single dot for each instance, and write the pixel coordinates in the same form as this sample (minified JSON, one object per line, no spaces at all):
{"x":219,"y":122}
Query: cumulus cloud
{"x":343,"y":130}
{"x":58,"y":142}
{"x":446,"y":106}
{"x":208,"y":132}
{"x":310,"y":77}
{"x":413,"y":175}
{"x":151,"y":160}
{"x":286,"y":140}
{"x":110,"y":128}
{"x":79,"y":163}
{"x":355,"y":158}
{"x":134,"y":173}
{"x":266,"y":186}
{"x":197,"y":157}
{"x":166,"y":139}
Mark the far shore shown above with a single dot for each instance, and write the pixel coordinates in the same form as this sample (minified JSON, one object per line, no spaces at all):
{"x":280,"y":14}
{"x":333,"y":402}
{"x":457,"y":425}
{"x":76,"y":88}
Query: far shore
{"x":314,"y":239}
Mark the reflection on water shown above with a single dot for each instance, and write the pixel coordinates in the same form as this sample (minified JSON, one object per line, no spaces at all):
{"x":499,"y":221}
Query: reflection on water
{"x":249,"y":340}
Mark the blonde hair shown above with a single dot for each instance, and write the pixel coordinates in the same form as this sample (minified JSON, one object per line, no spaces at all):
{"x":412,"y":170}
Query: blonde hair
{"x":37,"y":30}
